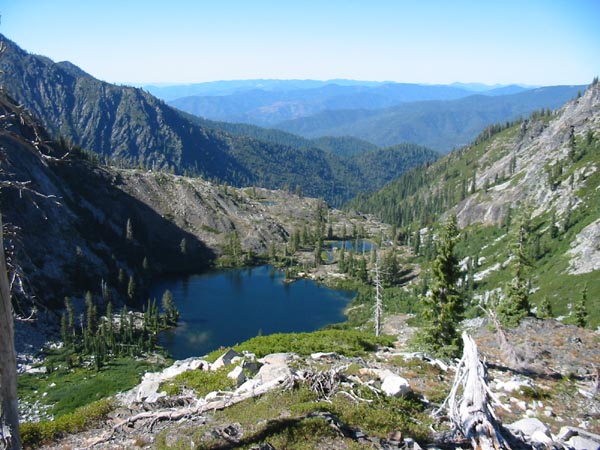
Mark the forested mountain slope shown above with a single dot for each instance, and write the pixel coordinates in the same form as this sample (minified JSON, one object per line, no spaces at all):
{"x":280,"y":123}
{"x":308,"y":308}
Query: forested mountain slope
{"x":129,"y":125}
{"x":544,"y":172}
{"x":339,"y":145}
{"x":441,"y":125}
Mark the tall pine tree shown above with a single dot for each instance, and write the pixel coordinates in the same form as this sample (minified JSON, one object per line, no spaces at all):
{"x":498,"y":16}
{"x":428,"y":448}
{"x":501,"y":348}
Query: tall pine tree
{"x":443,"y":306}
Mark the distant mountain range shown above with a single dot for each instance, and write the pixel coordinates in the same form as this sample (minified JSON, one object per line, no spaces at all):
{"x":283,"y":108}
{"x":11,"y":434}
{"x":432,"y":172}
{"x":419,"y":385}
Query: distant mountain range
{"x":268,"y":107}
{"x":129,"y":125}
{"x":442,"y":117}
{"x":169,"y":92}
{"x":441,"y":125}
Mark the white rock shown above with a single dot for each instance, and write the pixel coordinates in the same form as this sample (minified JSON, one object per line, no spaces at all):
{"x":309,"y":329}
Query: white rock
{"x":395,"y":386}
{"x":543,"y":438}
{"x":277,"y":358}
{"x":147,"y":390}
{"x":274,"y":371}
{"x":529,"y":426}
{"x":225,"y":359}
{"x":579,"y":439}
{"x":238,"y":375}
{"x":270,"y":373}
{"x":583,"y":443}
{"x":513,"y":385}
{"x":320,"y":355}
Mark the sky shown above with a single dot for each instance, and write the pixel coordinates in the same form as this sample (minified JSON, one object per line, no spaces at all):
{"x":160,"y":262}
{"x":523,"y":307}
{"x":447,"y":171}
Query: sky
{"x":533,"y":42}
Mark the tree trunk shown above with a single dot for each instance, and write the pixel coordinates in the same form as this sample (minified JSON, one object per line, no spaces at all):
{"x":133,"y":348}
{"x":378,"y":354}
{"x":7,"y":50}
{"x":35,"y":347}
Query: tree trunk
{"x":9,"y":413}
{"x":472,"y":413}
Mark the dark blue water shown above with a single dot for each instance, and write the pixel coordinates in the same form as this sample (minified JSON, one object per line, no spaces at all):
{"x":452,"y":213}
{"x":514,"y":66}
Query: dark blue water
{"x":362,"y":245}
{"x":230,"y":306}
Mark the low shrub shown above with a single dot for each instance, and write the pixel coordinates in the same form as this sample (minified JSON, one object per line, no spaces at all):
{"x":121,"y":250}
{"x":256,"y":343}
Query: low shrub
{"x":36,"y":434}
{"x":200,"y":381}
{"x":345,"y":342}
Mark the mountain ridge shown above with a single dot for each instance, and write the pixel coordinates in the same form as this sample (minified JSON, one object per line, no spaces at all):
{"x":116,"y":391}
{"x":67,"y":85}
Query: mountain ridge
{"x":456,"y":122}
{"x":128,"y":124}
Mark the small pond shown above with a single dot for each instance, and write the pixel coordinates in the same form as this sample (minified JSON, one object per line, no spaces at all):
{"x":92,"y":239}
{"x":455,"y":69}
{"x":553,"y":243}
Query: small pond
{"x":358,"y":246}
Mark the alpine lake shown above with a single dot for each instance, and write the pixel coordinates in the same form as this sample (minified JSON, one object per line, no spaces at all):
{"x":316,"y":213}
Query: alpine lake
{"x":226,"y":307}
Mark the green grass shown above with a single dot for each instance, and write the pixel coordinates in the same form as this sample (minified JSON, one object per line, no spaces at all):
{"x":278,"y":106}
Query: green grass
{"x":78,"y":387}
{"x":201,"y":382}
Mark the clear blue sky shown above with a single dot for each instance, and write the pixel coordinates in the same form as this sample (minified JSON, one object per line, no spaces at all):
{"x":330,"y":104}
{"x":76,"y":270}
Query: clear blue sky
{"x":437,"y":41}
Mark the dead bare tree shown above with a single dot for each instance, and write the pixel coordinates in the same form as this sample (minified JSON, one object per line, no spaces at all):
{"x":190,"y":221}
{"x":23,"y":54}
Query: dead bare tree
{"x":9,"y":413}
{"x":472,"y":412}
{"x":378,"y":301}
{"x":511,"y":357}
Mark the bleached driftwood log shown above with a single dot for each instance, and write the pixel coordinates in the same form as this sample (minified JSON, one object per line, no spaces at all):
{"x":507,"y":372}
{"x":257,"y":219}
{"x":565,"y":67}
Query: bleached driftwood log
{"x":472,"y":412}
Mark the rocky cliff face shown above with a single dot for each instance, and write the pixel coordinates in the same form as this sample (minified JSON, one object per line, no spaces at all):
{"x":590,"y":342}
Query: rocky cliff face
{"x":547,"y":175}
{"x":533,"y":152}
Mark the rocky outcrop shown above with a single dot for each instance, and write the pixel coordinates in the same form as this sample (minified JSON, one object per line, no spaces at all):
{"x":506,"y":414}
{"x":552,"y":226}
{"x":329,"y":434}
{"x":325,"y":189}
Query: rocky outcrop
{"x":147,"y":391}
{"x":547,"y":405}
{"x":585,"y":250}
{"x":536,"y":147}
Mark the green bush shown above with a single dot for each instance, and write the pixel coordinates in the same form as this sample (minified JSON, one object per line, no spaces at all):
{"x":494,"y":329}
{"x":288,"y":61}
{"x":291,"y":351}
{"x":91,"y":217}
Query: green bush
{"x":346,"y":342}
{"x":35,"y":434}
{"x":201,"y":382}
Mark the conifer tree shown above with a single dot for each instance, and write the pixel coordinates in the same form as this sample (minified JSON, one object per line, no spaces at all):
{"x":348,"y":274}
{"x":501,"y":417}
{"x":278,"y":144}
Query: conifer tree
{"x":91,"y":314}
{"x":318,"y":250}
{"x":581,"y":312}
{"x":129,"y":230}
{"x":109,"y":314}
{"x":515,"y":304}
{"x":70,"y":316}
{"x":64,"y":333}
{"x":342,"y":261}
{"x":131,"y":288}
{"x":361,"y":272}
{"x":171,"y":312}
{"x":121,"y":277}
{"x":378,"y":311}
{"x":545,"y":309}
{"x":443,"y":306}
